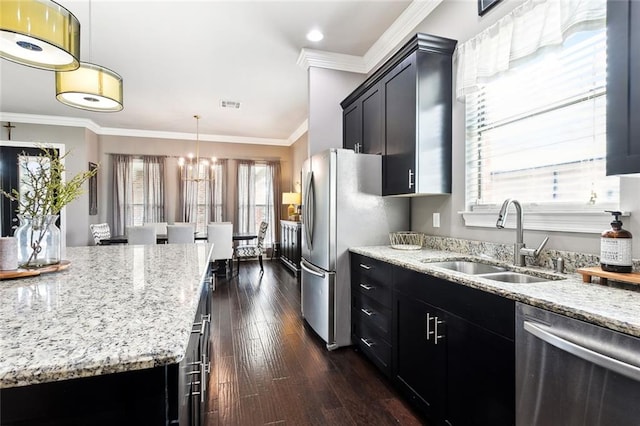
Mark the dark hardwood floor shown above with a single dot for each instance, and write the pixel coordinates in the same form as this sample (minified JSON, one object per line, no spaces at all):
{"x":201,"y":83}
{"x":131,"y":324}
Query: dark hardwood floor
{"x":268,"y":367}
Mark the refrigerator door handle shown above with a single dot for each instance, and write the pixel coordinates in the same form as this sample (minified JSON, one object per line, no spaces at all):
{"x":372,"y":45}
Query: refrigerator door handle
{"x":309,"y":209}
{"x":310,"y":269}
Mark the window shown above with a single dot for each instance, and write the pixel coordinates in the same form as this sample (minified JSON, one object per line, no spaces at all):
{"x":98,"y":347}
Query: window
{"x":256,"y":197}
{"x":138,"y":191}
{"x":537,"y":132}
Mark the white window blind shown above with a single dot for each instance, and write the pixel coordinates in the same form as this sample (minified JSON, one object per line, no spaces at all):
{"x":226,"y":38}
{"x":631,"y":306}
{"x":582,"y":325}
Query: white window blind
{"x":537,"y":132}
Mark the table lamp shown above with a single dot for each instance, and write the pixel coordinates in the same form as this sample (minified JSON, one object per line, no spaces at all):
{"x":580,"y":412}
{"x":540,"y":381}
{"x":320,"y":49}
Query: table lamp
{"x":291,"y":198}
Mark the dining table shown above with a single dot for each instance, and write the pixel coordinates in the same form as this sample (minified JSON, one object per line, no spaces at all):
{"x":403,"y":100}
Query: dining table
{"x":162,"y":238}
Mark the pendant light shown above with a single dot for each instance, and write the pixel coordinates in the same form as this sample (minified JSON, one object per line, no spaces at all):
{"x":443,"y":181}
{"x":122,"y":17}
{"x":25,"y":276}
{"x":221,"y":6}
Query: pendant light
{"x":192,"y":171}
{"x":91,"y":87}
{"x":40,"y":34}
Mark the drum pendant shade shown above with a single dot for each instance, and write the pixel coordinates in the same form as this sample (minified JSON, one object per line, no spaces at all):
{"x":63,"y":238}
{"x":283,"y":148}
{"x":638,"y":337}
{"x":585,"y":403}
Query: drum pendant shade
{"x":40,"y":34}
{"x":91,"y":87}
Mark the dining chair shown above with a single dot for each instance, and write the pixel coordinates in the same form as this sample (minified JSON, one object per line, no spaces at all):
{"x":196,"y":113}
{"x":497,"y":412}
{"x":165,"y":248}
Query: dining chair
{"x":221,"y":235}
{"x":100,"y":231}
{"x":141,"y":234}
{"x":161,"y":227}
{"x":180,"y":234}
{"x":253,"y":250}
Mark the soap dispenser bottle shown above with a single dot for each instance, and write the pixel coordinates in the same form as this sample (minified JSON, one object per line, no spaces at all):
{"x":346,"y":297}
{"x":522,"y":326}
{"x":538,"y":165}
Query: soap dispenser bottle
{"x":615,"y":247}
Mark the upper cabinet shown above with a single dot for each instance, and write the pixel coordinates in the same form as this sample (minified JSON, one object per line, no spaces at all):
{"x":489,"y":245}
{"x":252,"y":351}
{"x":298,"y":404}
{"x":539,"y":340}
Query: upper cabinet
{"x":403,"y":111}
{"x":623,"y":87}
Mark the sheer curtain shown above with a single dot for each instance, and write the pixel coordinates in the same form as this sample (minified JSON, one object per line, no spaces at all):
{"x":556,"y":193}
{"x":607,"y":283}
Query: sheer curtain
{"x":187,"y":196}
{"x":246,"y":214}
{"x":122,"y":193}
{"x":529,"y":28}
{"x":217,"y":189}
{"x":153,"y":184}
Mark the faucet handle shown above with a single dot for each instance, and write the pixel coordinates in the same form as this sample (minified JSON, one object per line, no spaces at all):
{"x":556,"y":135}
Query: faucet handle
{"x":534,"y":252}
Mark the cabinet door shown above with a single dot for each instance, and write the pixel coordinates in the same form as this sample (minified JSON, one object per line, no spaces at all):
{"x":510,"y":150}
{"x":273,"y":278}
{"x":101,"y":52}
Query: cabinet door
{"x":480,"y":375}
{"x":420,"y":362}
{"x":352,"y":125}
{"x":372,"y":121}
{"x":623,"y":89}
{"x":398,"y":165}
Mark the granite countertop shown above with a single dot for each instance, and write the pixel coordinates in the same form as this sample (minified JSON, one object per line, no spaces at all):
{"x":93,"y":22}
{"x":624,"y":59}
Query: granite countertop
{"x":117,"y":308}
{"x":609,"y":307}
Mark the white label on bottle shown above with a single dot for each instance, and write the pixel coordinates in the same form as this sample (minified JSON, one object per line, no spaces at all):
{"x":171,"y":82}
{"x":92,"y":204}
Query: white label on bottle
{"x":615,"y":251}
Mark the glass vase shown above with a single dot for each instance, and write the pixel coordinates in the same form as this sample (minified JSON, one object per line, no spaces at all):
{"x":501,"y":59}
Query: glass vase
{"x":38,"y":241}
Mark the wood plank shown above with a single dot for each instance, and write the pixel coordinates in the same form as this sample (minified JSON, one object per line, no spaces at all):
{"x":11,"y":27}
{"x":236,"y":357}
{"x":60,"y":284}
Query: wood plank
{"x":596,"y":271}
{"x":270,"y":368}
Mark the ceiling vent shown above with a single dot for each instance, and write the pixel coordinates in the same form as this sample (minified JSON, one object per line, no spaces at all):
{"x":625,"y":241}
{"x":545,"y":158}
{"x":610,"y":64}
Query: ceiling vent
{"x":230,"y":104}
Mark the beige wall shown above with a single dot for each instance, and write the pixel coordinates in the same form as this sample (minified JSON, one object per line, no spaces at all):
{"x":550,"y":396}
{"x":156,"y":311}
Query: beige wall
{"x":86,"y":146}
{"x":300,"y":152}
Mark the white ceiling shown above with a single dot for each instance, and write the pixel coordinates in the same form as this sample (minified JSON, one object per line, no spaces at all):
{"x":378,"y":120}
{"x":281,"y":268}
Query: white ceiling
{"x":180,"y":58}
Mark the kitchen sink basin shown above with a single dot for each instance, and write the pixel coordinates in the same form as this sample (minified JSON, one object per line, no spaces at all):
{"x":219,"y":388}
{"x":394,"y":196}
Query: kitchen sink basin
{"x":514,"y":277}
{"x":490,"y":272}
{"x":468,"y":267}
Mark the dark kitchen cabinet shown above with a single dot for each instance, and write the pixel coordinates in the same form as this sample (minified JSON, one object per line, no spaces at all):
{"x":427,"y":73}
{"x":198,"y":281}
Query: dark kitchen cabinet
{"x":362,"y":123}
{"x":417,"y":107}
{"x":623,"y":87}
{"x":421,"y":354}
{"x":466,"y":337}
{"x":291,"y":244}
{"x":452,"y":347}
{"x":371,"y":315}
{"x":403,"y":111}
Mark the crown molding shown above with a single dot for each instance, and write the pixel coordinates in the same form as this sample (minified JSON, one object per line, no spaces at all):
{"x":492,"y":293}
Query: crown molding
{"x":336,"y":61}
{"x":301,"y":130}
{"x":54,"y":120}
{"x":401,"y":28}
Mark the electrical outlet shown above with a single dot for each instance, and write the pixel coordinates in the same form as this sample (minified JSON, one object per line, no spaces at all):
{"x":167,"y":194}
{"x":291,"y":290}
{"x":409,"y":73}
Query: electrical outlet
{"x":436,"y":220}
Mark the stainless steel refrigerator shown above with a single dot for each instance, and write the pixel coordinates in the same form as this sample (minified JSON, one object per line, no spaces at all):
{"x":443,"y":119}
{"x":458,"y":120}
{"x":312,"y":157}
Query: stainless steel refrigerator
{"x":342,"y":207}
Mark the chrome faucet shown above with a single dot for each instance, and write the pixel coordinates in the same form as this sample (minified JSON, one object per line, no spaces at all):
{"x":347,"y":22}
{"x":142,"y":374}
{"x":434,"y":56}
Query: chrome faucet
{"x":519,"y":249}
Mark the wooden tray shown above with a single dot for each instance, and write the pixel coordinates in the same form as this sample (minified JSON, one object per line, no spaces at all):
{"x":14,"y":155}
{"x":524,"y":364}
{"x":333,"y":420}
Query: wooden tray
{"x":587,"y":273}
{"x":23,"y":273}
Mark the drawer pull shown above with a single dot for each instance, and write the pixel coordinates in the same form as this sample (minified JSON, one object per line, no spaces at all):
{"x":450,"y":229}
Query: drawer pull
{"x":366,"y":267}
{"x":367,"y":342}
{"x":367,"y":312}
{"x":366,"y":287}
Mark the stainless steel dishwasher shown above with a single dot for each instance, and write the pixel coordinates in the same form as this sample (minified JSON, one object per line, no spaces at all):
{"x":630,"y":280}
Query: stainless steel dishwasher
{"x":570,"y":372}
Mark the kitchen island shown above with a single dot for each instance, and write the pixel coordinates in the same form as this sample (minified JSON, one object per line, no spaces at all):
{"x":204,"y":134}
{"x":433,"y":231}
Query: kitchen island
{"x":116,"y":324}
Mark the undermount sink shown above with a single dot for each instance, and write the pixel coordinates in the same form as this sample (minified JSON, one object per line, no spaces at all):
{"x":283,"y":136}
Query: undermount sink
{"x":490,"y":272}
{"x":514,"y":277}
{"x":468,"y":267}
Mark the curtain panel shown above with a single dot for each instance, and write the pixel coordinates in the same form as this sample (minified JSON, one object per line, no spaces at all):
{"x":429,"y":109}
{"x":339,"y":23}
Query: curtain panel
{"x":153,"y":188}
{"x":245,"y":212}
{"x":122,"y":190}
{"x":524,"y":32}
{"x":218,"y":191}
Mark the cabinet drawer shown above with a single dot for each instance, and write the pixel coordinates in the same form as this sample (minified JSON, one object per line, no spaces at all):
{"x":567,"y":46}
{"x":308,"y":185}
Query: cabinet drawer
{"x":366,"y":311}
{"x":372,"y":278}
{"x":373,"y":346}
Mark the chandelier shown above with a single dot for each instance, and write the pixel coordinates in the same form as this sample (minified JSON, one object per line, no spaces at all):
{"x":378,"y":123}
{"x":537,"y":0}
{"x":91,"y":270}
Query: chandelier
{"x":193,"y":168}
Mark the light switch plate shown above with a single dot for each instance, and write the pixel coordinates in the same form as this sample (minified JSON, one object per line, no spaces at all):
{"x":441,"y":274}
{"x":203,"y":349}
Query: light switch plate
{"x":436,"y":220}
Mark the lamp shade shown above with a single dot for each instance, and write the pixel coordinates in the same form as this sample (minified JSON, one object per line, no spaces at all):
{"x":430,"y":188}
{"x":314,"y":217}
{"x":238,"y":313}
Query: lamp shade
{"x":40,"y":34}
{"x":290,"y":198}
{"x":90,"y":87}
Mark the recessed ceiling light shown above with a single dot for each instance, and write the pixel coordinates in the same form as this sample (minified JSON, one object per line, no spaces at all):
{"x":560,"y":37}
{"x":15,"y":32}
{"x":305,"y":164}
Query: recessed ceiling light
{"x":315,"y":35}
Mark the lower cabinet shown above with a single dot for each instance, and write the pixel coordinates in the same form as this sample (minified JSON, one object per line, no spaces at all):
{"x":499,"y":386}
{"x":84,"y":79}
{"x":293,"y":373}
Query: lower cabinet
{"x":291,"y":244}
{"x":451,"y":347}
